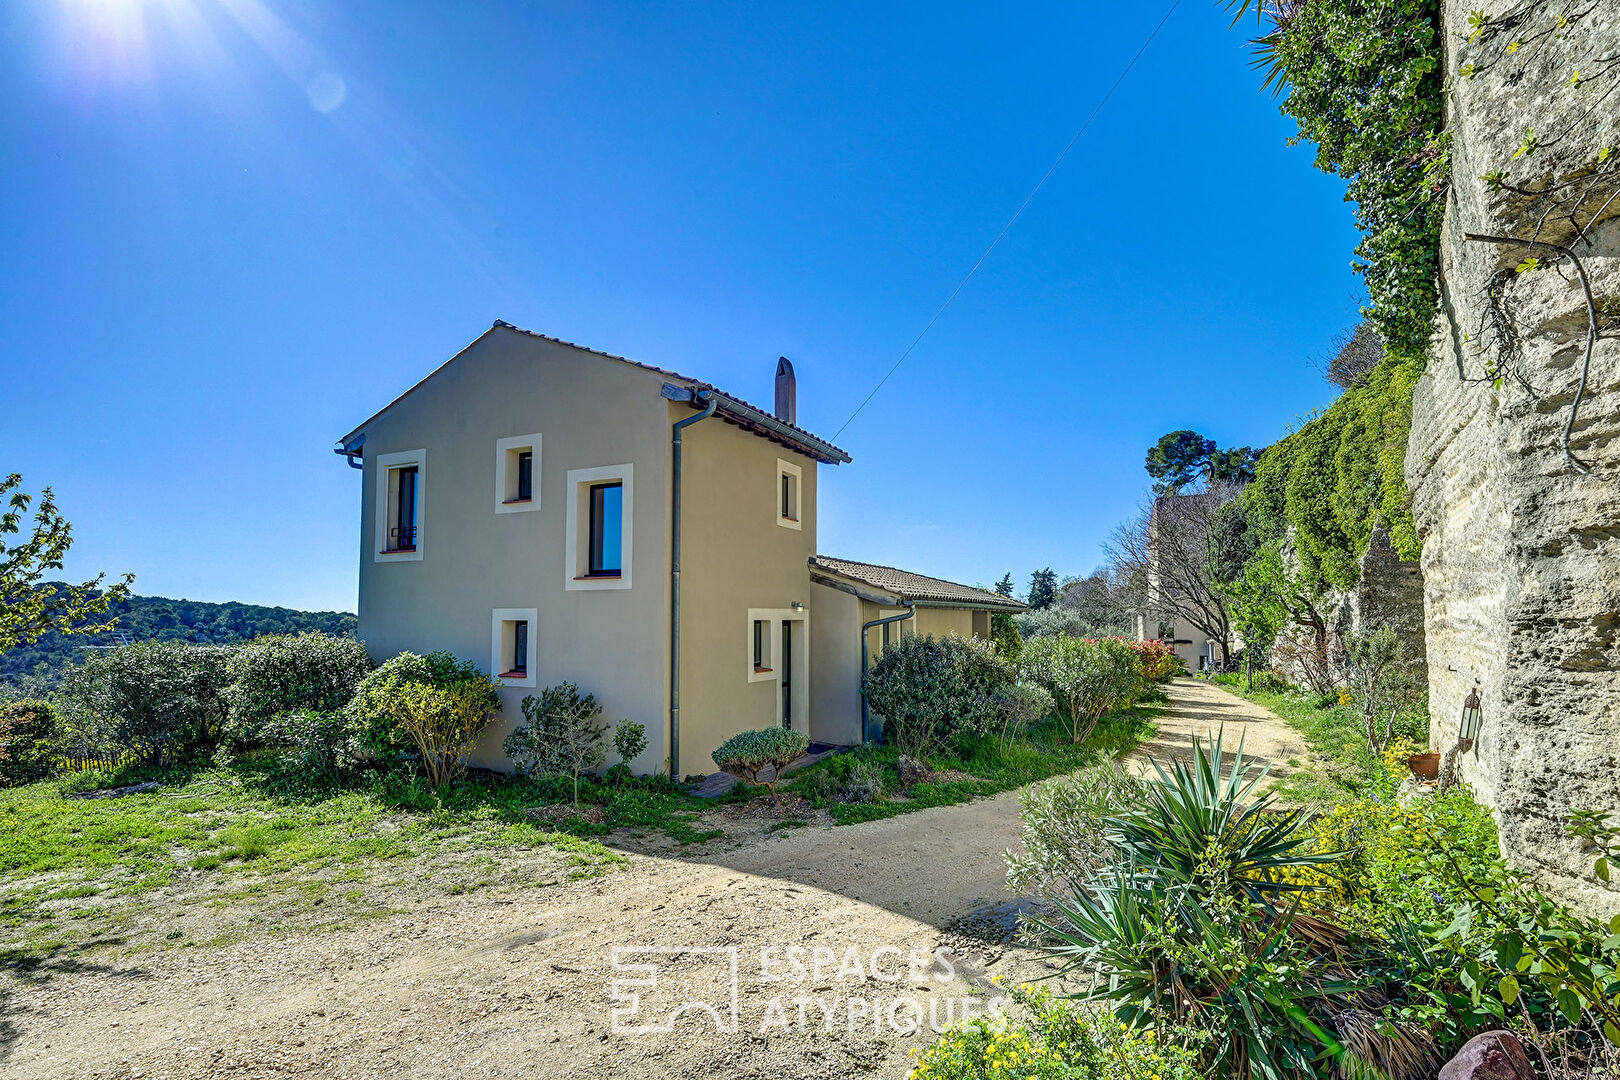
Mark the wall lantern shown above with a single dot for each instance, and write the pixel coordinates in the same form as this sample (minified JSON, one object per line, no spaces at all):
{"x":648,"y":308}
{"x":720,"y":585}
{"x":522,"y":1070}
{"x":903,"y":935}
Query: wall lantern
{"x":1469,"y":730}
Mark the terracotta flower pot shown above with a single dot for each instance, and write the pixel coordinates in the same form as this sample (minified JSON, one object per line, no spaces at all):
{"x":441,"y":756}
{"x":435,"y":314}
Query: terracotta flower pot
{"x":1425,"y":766}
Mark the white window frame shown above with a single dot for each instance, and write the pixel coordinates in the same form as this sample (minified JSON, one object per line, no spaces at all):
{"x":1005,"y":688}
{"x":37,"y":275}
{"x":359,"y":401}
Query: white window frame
{"x":787,"y":468}
{"x":506,"y":451}
{"x":500,"y":618}
{"x":386,"y":464}
{"x":577,"y":540}
{"x":772,"y":618}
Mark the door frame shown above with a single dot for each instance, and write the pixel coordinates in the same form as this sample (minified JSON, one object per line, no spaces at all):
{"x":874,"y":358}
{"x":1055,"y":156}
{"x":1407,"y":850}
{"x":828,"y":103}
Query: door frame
{"x":798,"y":663}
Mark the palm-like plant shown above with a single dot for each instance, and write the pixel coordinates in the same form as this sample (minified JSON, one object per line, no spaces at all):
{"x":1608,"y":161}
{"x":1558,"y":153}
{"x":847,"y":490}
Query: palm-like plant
{"x":1198,"y":920}
{"x":1196,"y":828}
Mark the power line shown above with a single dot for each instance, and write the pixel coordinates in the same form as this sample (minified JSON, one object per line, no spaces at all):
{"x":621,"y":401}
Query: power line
{"x":1010,"y":221}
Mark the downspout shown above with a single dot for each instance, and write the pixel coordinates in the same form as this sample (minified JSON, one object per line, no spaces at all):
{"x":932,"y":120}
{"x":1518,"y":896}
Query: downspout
{"x":911,"y":610}
{"x":710,"y":403}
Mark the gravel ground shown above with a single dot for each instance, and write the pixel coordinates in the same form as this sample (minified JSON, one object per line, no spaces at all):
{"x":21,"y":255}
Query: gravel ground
{"x":839,"y":940}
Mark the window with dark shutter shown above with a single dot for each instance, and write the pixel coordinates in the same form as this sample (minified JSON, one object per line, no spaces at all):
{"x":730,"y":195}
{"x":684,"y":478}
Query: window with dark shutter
{"x":525,"y":477}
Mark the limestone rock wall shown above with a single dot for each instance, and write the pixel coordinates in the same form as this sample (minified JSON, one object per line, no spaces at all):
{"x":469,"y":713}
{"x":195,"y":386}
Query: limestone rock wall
{"x":1521,"y":554}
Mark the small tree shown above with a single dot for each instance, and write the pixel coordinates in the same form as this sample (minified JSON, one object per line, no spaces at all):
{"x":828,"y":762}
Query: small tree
{"x":1087,"y":679}
{"x":1379,"y":684}
{"x":444,"y":722}
{"x":750,"y":753}
{"x":629,"y":740}
{"x":29,"y":608}
{"x":928,"y":689}
{"x":1003,"y":631}
{"x":376,"y":700}
{"x":562,"y":737}
{"x":1018,"y":705}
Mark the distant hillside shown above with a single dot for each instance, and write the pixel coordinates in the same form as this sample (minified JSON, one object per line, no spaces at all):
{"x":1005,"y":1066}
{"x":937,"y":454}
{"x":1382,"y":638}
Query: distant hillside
{"x":158,"y":618}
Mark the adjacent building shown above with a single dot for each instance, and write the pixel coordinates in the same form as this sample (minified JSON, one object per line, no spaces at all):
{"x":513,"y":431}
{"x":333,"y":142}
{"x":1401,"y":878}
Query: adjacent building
{"x":556,"y":513}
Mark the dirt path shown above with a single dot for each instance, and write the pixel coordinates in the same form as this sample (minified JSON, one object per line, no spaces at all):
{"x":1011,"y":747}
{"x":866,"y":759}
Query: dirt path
{"x":519,"y":983}
{"x":829,"y":936}
{"x":1199,"y":709}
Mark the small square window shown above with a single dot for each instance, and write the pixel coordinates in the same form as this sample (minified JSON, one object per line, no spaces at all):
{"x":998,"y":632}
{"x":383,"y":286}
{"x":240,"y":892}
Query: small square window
{"x":513,"y":646}
{"x":517,"y":474}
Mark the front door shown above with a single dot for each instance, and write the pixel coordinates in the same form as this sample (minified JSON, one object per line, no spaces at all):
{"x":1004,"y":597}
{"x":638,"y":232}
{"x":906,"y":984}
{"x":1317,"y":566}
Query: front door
{"x":787,"y":673}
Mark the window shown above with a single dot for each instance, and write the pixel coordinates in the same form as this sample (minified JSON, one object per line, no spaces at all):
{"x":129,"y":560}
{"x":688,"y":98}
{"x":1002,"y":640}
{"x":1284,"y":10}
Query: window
{"x":607,"y":530}
{"x":517,"y":476}
{"x":401,"y":498}
{"x":513,"y":655}
{"x":762,"y":646}
{"x":600,"y":535}
{"x":789,"y":494}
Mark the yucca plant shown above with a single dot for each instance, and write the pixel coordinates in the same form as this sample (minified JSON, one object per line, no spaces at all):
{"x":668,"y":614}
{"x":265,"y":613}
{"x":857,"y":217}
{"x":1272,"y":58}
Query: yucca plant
{"x":1193,"y":824}
{"x":1198,"y":921}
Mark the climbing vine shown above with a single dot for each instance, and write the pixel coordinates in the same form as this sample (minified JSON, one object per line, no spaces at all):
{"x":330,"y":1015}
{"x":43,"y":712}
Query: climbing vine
{"x":1364,"y":80}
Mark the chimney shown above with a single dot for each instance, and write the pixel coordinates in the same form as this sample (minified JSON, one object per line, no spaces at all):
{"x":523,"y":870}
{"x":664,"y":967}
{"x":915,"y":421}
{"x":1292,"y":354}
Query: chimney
{"x":787,"y":403}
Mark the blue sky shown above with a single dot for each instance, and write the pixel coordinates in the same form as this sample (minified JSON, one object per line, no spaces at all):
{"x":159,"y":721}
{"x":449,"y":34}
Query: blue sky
{"x":235,"y":228}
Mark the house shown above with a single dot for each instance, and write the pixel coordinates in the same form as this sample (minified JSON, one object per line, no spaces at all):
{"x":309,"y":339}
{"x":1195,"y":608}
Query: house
{"x":1177,"y":582}
{"x":555,"y":513}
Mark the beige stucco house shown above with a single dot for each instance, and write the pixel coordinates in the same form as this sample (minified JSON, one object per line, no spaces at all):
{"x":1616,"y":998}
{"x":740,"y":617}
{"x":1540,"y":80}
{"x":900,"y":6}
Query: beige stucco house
{"x":555,"y":513}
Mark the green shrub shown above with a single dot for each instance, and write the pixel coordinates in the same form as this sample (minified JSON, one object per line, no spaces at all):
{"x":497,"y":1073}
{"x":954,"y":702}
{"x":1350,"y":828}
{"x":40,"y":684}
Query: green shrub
{"x":1197,"y":919}
{"x":282,"y":673}
{"x":864,"y":784}
{"x":1018,"y":705}
{"x":748,"y":754}
{"x":1062,"y":829}
{"x":1058,"y":1042}
{"x":629,"y":741}
{"x":157,"y":701}
{"x":444,"y":723}
{"x":929,"y":689}
{"x":319,"y":747}
{"x":562,"y":737}
{"x":1087,"y":678}
{"x":30,"y":741}
{"x":376,"y":704}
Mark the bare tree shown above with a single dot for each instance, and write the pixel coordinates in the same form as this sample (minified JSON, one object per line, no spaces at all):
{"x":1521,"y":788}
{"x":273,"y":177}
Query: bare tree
{"x":1167,"y":556}
{"x":1358,"y":353}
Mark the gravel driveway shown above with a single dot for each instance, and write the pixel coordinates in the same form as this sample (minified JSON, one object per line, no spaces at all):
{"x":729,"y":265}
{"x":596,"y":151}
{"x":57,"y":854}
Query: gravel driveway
{"x":836,"y":940}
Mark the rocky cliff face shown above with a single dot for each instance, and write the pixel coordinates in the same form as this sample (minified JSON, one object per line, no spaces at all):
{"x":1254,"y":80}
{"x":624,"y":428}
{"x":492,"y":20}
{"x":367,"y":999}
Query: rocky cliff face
{"x":1521,"y":549}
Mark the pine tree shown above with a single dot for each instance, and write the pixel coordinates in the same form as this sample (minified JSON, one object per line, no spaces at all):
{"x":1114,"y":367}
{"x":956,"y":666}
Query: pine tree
{"x":1042,"y":589}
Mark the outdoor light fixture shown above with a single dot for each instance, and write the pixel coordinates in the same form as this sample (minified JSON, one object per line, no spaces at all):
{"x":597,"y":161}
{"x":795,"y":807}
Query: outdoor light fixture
{"x":798,"y":605}
{"x":1469,"y":731}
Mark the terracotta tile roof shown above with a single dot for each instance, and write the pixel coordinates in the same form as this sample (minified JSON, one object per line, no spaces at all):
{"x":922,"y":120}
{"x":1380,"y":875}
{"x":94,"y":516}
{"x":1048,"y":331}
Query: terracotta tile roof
{"x":916,"y":587}
{"x":743,"y":414}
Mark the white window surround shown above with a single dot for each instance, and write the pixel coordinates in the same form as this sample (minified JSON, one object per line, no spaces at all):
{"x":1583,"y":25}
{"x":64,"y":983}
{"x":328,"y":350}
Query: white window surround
{"x":500,"y":644}
{"x":506,"y":452}
{"x":773,"y":619}
{"x":577,"y":539}
{"x":386,"y":464}
{"x":796,"y":519}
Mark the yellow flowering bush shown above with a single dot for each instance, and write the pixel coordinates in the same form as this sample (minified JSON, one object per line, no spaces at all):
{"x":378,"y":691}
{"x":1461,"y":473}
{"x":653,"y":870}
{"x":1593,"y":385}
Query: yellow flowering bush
{"x":1058,"y":1041}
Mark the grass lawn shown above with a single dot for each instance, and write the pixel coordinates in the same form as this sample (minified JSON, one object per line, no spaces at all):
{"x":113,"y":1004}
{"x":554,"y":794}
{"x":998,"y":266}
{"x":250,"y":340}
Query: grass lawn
{"x":1044,"y":751}
{"x":1341,"y":767}
{"x":84,"y":873}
